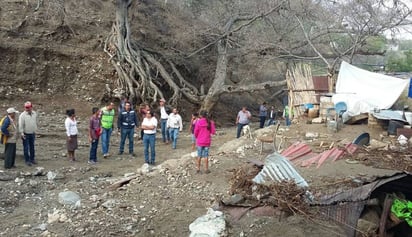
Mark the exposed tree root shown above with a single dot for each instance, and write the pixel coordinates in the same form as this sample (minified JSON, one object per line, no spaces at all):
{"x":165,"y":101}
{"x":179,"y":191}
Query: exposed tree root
{"x":141,"y":73}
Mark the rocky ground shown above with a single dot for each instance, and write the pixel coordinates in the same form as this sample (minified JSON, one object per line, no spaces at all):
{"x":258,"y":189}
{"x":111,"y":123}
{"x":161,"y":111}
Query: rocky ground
{"x":165,"y":199}
{"x":58,"y":70}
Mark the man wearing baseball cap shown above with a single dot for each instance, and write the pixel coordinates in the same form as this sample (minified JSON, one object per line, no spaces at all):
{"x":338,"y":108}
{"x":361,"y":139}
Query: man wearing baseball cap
{"x":9,"y":135}
{"x":27,"y":129}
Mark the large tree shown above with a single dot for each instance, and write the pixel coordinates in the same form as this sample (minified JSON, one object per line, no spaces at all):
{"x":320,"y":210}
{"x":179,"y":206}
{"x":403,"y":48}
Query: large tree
{"x":269,"y":30}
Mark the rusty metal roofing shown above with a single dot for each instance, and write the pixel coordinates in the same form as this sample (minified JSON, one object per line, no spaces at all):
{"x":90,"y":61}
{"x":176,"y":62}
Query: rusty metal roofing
{"x":321,"y":85}
{"x":345,"y":207}
{"x":301,"y":154}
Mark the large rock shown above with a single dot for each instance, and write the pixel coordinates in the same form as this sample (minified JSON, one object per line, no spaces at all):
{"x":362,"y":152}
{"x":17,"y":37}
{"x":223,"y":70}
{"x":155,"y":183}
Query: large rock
{"x":69,"y":198}
{"x":212,"y":224}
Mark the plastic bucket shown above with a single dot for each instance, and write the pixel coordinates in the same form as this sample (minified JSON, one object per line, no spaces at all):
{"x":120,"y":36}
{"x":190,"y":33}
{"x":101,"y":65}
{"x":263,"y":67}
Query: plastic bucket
{"x":408,"y":116}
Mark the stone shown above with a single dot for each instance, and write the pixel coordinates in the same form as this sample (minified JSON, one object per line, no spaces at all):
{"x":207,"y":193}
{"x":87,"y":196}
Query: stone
{"x":212,"y":224}
{"x":69,"y":198}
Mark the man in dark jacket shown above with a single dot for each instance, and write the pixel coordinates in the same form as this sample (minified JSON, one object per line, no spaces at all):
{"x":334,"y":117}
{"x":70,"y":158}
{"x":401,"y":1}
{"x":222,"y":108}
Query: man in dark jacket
{"x":127,"y":122}
{"x":9,"y":136}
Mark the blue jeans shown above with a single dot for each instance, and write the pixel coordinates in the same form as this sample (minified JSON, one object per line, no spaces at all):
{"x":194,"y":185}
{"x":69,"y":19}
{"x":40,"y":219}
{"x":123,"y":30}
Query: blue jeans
{"x":107,"y":132}
{"x":239,"y":129}
{"x":174,"y":134}
{"x":202,"y":151}
{"x":262,"y":121}
{"x":149,"y":143}
{"x":165,"y":133}
{"x":126,"y":132}
{"x":287,"y":121}
{"x":93,"y":150}
{"x":271,"y":121}
{"x":28,"y":147}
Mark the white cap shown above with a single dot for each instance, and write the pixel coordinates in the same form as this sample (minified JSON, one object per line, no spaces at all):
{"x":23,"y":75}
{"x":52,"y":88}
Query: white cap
{"x":12,"y":110}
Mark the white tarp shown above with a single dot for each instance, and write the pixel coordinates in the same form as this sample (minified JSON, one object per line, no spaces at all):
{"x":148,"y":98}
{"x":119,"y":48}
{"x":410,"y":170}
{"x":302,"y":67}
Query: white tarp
{"x":363,"y":91}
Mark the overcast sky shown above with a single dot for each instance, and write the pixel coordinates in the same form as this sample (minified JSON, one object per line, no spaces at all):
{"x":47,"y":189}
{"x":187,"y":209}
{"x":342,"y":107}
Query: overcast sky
{"x":406,"y":32}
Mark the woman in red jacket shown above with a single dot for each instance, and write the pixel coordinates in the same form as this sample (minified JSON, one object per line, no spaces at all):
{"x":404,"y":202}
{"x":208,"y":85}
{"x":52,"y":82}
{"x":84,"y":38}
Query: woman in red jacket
{"x":204,"y":129}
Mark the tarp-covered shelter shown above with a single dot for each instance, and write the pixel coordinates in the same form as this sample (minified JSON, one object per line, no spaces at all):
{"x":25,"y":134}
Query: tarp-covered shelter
{"x":364,"y":91}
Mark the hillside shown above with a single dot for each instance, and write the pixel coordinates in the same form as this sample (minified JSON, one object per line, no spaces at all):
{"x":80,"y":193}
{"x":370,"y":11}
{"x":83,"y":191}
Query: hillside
{"x":63,"y":66}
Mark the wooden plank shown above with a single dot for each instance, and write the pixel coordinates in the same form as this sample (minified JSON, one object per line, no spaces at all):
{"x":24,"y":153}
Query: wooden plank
{"x":385,"y":214}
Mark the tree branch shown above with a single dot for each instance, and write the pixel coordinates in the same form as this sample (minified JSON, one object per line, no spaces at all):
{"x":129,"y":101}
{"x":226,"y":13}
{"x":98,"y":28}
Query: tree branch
{"x":227,"y":31}
{"x":252,"y":87}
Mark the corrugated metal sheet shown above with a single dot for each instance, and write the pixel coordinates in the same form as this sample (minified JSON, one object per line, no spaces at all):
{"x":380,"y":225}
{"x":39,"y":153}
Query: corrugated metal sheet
{"x":345,"y":214}
{"x":389,"y":114}
{"x":278,"y":168}
{"x":345,"y":207}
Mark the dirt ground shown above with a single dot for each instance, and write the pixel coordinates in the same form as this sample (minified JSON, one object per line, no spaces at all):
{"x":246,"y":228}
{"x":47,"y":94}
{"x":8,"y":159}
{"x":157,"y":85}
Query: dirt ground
{"x":57,"y":70}
{"x":163,"y":202}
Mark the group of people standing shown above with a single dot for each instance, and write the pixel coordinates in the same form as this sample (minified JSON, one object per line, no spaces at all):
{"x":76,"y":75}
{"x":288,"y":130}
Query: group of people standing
{"x":24,"y":128}
{"x":100,"y":127}
{"x":270,"y":115}
{"x":101,"y":124}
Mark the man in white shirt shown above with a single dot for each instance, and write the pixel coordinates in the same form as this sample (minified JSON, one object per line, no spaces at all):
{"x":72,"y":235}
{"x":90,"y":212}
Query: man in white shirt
{"x":175,"y":125}
{"x":28,"y":128}
{"x":164,"y":115}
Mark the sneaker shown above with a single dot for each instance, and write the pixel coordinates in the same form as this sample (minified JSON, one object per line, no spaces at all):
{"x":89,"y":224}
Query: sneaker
{"x":28,"y":164}
{"x":34,"y":162}
{"x":91,"y":162}
{"x":105,"y":155}
{"x":207,"y":172}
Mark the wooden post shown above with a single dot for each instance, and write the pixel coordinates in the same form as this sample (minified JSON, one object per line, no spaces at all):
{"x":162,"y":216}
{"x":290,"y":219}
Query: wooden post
{"x":385,"y":214}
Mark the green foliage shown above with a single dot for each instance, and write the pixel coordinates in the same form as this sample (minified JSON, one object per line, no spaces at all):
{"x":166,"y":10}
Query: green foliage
{"x":405,"y":44}
{"x":376,"y":44}
{"x":399,"y":61}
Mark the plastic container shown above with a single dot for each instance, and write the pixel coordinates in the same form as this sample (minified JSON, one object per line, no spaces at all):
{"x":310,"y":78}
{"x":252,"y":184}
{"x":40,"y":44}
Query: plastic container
{"x":362,"y":140}
{"x":332,"y":126}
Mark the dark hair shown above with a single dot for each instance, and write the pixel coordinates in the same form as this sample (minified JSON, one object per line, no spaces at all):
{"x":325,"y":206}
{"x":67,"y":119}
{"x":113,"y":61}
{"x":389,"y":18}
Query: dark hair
{"x":205,"y":115}
{"x":94,"y":110}
{"x":70,"y":112}
{"x":196,"y":114}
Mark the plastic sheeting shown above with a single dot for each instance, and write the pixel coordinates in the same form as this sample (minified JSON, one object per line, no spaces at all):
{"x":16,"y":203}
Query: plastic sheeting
{"x":410,"y":89}
{"x":363,"y":91}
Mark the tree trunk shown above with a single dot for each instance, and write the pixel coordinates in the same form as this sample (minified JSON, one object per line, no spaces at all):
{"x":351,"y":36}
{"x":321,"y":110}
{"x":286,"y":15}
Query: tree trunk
{"x":215,"y":91}
{"x":123,"y":35}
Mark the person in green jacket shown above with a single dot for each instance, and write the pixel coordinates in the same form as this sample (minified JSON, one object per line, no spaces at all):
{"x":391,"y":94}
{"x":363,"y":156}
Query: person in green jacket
{"x":287,"y":114}
{"x":106,"y":121}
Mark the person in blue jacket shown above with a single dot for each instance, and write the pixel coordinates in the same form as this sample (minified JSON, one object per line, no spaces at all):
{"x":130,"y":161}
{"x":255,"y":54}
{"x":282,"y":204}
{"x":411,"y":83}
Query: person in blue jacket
{"x":127,"y":122}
